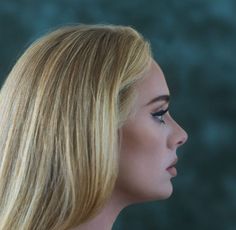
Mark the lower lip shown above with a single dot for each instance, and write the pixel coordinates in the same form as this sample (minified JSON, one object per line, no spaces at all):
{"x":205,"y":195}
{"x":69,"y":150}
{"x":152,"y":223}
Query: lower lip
{"x":172,"y":171}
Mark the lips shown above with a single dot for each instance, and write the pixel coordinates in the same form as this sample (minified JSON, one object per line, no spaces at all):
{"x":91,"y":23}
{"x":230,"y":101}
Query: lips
{"x":171,"y":169}
{"x":174,"y":162}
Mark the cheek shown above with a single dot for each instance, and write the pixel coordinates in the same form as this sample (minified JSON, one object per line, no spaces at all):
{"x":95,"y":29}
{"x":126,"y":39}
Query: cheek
{"x":142,"y":160}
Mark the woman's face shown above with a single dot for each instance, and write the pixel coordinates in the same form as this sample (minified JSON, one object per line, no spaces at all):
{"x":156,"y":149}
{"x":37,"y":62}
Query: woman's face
{"x":149,"y":143}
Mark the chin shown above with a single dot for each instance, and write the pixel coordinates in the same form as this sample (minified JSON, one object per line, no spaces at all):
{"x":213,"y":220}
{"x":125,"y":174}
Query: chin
{"x":165,"y":193}
{"x":141,"y":195}
{"x":165,"y":196}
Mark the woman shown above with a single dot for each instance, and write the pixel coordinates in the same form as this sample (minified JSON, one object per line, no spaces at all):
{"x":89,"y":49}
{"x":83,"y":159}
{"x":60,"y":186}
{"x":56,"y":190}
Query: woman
{"x":85,"y":130}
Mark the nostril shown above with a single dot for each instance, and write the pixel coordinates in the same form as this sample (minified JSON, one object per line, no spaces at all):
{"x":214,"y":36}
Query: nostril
{"x":183,"y":139}
{"x":180,"y":143}
{"x":178,"y":137}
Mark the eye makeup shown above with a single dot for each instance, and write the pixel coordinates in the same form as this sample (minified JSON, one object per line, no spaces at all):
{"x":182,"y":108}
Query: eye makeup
{"x":159,"y":115}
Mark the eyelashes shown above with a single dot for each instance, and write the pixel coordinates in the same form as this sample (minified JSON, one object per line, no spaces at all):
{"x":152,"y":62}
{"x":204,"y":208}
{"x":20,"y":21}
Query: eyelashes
{"x":159,"y":115}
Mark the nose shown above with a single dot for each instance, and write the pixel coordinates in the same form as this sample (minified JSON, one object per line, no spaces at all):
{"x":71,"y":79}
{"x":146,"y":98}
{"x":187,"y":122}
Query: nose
{"x":183,"y":138}
{"x":178,"y":136}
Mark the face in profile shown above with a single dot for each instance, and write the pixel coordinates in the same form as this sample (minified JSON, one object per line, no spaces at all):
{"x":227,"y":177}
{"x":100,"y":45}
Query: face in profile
{"x":150,"y":140}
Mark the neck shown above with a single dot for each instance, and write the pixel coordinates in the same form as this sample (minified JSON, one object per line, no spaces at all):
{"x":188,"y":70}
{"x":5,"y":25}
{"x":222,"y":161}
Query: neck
{"x":106,"y":218}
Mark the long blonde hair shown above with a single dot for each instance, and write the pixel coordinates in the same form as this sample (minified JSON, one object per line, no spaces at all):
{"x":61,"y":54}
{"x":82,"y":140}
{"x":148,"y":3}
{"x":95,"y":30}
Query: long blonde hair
{"x":61,"y":107}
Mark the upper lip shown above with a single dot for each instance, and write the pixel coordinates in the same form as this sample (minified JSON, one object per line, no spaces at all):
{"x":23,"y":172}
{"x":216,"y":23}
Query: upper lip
{"x":174,"y":162}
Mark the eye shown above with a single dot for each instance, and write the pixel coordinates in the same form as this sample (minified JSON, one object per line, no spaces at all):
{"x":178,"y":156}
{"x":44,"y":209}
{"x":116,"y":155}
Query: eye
{"x":159,"y":115}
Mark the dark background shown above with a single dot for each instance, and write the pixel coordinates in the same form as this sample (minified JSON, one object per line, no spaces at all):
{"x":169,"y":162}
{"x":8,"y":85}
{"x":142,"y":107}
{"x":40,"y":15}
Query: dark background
{"x":194,"y":43}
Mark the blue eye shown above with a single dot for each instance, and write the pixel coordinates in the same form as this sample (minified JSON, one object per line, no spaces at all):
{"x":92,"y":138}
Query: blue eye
{"x":159,"y":115}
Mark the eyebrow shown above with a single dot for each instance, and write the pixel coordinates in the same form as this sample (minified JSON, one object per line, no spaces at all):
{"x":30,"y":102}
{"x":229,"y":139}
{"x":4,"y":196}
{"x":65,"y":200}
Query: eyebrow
{"x":165,"y":98}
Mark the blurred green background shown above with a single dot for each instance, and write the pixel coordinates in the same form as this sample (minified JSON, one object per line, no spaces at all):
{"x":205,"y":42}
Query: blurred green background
{"x":195,"y":44}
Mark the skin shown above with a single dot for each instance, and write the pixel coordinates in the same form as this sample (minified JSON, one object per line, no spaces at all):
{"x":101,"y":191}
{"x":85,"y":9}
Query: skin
{"x":148,"y":148}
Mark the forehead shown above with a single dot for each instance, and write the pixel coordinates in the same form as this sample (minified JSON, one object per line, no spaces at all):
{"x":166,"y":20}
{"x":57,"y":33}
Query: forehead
{"x":153,"y":84}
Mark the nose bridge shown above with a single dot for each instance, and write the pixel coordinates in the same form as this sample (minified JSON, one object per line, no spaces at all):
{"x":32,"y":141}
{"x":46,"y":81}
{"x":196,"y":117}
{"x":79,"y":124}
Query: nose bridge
{"x":178,"y":135}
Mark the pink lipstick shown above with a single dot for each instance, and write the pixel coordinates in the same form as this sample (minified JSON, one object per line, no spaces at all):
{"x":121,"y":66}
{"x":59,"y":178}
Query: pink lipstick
{"x":171,"y":169}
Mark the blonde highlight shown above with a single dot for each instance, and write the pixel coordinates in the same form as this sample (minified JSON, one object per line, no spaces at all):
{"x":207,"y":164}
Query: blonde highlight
{"x":60,"y":110}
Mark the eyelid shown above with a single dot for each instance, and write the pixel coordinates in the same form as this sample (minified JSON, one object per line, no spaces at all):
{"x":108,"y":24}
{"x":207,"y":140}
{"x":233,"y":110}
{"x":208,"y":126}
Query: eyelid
{"x":159,"y":115}
{"x":163,"y":105}
{"x":161,"y":112}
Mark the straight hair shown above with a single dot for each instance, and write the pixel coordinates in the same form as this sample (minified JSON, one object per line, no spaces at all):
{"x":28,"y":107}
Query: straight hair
{"x":61,"y":107}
